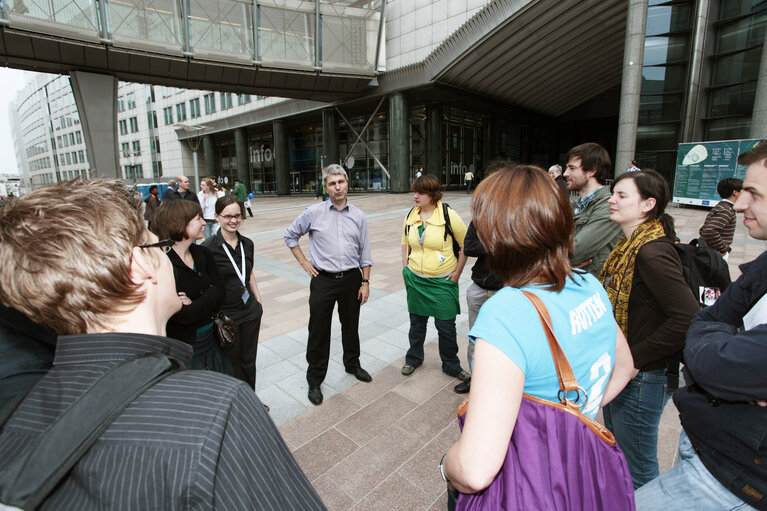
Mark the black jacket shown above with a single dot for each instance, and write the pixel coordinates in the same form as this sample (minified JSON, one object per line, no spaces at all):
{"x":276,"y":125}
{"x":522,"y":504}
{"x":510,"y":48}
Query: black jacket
{"x":188,"y":195}
{"x":203,"y":286}
{"x":481,"y":276}
{"x":725,"y":367}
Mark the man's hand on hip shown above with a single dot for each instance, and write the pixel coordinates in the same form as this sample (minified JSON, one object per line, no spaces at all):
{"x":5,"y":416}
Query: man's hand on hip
{"x":309,"y":268}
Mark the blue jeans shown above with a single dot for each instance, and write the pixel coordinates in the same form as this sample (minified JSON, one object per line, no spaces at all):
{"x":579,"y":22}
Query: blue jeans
{"x":448,"y":345}
{"x":633,"y":417}
{"x":689,"y":486}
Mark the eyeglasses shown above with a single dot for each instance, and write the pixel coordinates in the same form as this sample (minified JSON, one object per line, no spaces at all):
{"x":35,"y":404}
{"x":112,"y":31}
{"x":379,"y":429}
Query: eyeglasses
{"x":165,"y":245}
{"x":229,"y":218}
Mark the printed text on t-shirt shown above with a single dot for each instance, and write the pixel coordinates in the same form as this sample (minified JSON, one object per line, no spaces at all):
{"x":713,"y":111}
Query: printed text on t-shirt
{"x":587,"y":313}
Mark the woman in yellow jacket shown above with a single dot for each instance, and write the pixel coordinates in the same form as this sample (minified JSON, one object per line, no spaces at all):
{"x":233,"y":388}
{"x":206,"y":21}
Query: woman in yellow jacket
{"x":431,"y":271}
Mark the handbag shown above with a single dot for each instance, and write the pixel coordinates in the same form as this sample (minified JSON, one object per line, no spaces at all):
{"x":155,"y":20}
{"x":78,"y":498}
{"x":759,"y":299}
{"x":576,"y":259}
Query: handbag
{"x":558,"y":458}
{"x":226,"y":329}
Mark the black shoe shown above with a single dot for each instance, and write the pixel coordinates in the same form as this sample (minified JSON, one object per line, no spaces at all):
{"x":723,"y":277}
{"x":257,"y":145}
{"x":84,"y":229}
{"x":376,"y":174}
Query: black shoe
{"x":463,"y":387}
{"x":360,"y":374}
{"x":315,"y":395}
{"x":407,"y":369}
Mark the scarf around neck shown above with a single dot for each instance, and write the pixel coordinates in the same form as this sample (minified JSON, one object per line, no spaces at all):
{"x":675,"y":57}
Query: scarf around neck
{"x":617,"y":274}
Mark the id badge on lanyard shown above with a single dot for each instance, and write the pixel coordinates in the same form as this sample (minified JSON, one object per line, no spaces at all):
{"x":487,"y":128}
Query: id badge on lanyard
{"x":240,"y":272}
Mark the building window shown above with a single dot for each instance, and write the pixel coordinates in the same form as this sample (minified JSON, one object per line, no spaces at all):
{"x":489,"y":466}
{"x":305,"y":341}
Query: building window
{"x":194,"y":107}
{"x":69,"y":159}
{"x":243,"y":99}
{"x":123,"y":127}
{"x":226,"y":100}
{"x":131,"y":100}
{"x":210,"y":103}
{"x":136,"y":148}
{"x":125,"y":149}
{"x":181,"y":112}
{"x":168,"y":114}
{"x":71,"y":139}
{"x":133,"y":124}
{"x":120,"y":104}
{"x":82,"y":157}
{"x":79,"y":137}
{"x":139,"y":171}
{"x":156,"y":169}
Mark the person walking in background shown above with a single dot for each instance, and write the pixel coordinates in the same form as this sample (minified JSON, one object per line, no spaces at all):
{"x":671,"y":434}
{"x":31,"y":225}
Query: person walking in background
{"x":718,"y":229}
{"x":653,"y":305}
{"x":468,"y":179}
{"x":234,"y":255}
{"x":633,"y":167}
{"x":555,"y":171}
{"x":588,"y":166}
{"x":339,"y":247}
{"x":152,"y":203}
{"x":241,"y":193}
{"x":525,"y":223}
{"x":197,"y":281}
{"x":431,"y":271}
{"x":208,"y":195}
{"x":169,"y":189}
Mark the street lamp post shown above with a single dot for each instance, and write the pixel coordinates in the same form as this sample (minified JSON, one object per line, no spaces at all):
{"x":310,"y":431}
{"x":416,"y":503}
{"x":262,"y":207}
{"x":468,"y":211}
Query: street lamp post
{"x":192,"y":133}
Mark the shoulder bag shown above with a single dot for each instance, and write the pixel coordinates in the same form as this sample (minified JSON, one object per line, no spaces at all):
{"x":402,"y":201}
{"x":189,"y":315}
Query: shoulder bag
{"x":558,"y":458}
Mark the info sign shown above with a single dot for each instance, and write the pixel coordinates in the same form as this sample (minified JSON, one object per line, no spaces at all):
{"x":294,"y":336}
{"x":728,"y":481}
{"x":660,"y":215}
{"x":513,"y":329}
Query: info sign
{"x":700,"y":166}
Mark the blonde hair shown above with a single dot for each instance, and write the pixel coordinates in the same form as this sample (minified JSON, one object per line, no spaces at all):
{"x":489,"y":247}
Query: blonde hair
{"x":65,"y":254}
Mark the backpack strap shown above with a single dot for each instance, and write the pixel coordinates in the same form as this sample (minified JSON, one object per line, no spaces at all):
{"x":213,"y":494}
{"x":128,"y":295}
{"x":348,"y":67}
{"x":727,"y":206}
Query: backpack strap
{"x":27,"y":480}
{"x":407,"y":227}
{"x":448,"y":227}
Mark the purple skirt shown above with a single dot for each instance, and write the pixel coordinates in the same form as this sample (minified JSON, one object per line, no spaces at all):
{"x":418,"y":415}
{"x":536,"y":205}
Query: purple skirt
{"x":556,"y":462}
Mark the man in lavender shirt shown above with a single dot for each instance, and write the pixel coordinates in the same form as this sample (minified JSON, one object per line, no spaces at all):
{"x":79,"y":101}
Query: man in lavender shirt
{"x":339,"y":248}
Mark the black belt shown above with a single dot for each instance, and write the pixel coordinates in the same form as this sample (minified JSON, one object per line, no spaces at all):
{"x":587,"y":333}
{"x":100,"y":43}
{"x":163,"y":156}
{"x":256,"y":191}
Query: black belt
{"x":338,"y":274}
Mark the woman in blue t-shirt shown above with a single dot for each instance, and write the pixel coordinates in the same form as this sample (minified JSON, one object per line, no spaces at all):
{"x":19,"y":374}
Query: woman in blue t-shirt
{"x":526,"y":224}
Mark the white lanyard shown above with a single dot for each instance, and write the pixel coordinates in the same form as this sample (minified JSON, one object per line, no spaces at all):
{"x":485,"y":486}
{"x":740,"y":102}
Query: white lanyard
{"x":240,"y":273}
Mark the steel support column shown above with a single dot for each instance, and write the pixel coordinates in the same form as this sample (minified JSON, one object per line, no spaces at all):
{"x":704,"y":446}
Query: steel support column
{"x":434,"y":139}
{"x":330,"y":147}
{"x":631,"y":84}
{"x":281,"y":157}
{"x":759,"y":115}
{"x":399,"y":143}
{"x":98,"y":117}
{"x":209,"y":149}
{"x":241,"y":146}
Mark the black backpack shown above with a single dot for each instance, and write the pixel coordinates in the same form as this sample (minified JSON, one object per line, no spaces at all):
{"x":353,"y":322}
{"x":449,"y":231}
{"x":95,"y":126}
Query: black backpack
{"x":705,"y":271}
{"x":448,"y":227}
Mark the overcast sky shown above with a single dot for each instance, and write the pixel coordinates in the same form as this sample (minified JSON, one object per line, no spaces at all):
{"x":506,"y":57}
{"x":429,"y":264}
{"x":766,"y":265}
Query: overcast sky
{"x":11,"y":81}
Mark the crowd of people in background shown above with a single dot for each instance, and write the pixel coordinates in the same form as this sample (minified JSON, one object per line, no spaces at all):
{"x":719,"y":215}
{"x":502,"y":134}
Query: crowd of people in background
{"x":600,"y":258}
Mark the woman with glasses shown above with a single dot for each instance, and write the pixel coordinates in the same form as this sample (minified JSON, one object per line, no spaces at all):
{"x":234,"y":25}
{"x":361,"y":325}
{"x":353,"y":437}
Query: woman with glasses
{"x":233,"y":254}
{"x":197,"y":283}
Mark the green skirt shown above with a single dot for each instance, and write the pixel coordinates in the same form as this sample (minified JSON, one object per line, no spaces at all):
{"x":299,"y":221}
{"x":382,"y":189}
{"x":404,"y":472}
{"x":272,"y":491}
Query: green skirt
{"x":436,"y":297}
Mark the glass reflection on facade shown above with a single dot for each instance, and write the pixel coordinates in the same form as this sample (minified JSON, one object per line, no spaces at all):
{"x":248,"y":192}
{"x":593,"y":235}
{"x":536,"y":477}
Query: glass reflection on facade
{"x":464,"y":140}
{"x":664,"y":80}
{"x":738,"y":38}
{"x":365,"y":173}
{"x":261,"y":163}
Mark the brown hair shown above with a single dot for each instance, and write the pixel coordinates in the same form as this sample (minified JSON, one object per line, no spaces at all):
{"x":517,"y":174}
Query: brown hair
{"x":652,"y":185}
{"x":428,"y":184}
{"x":81,"y":275}
{"x":171,"y":218}
{"x":526,"y":224}
{"x":228,"y":200}
{"x":757,"y":153}
{"x":593,"y":156}
{"x":211,"y":184}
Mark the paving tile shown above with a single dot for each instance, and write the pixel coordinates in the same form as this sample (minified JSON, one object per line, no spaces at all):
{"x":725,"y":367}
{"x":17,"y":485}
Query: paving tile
{"x":332,"y":495}
{"x":441,"y":503}
{"x":382,"y":350}
{"x":286,"y":346}
{"x":266,"y":357}
{"x":323,"y":452}
{"x":424,"y":383}
{"x":282,"y":406}
{"x":383,"y":381}
{"x":421,"y":469}
{"x":276,"y":373}
{"x":395,"y":493}
{"x":374,"y":418}
{"x":371,"y":464}
{"x":301,"y":429}
{"x":432,"y":415}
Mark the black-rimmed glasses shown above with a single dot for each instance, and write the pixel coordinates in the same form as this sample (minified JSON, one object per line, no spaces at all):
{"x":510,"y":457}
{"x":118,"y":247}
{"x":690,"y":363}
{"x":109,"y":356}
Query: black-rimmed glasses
{"x":165,"y":245}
